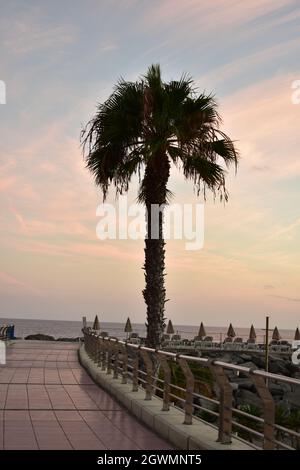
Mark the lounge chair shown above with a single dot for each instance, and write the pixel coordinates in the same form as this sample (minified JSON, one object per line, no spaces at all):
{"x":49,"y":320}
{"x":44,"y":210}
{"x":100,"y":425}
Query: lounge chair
{"x":134,"y":338}
{"x":228,"y":339}
{"x":4,"y":330}
{"x":238,"y":340}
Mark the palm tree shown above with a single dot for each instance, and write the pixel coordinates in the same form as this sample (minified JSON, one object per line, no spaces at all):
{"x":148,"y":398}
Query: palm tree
{"x":146,"y":126}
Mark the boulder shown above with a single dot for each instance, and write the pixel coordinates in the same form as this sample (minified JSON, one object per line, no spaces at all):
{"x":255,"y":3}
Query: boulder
{"x":283,"y":386}
{"x":69,"y":339}
{"x":278,"y":367}
{"x":245,"y":384}
{"x":278,"y":389}
{"x":250,"y":364}
{"x":245,"y":397}
{"x":284,"y":404}
{"x":293,"y":369}
{"x":40,"y":337}
{"x":239,"y":360}
{"x":245,"y":357}
{"x":226,"y":357}
{"x":259,"y":362}
{"x":293,"y":399}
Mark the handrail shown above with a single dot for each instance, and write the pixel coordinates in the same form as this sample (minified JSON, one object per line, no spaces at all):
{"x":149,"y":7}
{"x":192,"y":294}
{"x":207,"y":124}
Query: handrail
{"x":111,"y":353}
{"x":227,"y":365}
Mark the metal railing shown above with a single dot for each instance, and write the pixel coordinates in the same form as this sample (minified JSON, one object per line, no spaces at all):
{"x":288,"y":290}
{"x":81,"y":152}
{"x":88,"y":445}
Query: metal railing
{"x":151,"y":370}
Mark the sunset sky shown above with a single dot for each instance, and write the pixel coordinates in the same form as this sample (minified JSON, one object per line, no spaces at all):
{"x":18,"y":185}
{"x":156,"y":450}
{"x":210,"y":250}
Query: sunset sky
{"x":58,"y":59}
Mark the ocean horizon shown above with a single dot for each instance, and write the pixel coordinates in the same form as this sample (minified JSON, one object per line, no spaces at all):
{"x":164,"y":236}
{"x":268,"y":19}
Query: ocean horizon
{"x":72,"y":329}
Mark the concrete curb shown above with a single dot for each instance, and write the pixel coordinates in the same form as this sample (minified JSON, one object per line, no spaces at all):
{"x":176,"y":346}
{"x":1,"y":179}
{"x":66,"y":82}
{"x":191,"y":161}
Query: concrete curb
{"x":168,"y":424}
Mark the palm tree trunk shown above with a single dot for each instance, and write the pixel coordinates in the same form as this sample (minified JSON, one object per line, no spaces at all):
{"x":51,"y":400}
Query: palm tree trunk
{"x":155,"y":187}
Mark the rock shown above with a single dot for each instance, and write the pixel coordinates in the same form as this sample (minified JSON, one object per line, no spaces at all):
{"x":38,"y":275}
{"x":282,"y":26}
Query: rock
{"x":259,"y":362}
{"x":284,"y":404}
{"x":277,"y":389}
{"x":245,"y":384}
{"x":227,"y":357}
{"x":293,"y":369}
{"x":239,"y":361}
{"x":245,"y":397}
{"x":245,"y":357}
{"x":40,"y":337}
{"x":278,"y":367}
{"x":234,"y":386}
{"x":69,"y":339}
{"x":280,"y":385}
{"x":293,"y":399}
{"x":250,"y":364}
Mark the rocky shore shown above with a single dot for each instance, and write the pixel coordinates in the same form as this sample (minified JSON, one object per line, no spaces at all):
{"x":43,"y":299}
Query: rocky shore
{"x":285,"y":395}
{"x":42,"y":337}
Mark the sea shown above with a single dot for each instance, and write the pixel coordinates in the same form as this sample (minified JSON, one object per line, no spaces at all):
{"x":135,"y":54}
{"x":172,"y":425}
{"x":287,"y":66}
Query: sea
{"x":72,"y":329}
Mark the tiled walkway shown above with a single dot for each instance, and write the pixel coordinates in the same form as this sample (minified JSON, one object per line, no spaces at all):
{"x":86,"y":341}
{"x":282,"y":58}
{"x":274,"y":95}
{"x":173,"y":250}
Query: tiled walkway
{"x":47,"y":401}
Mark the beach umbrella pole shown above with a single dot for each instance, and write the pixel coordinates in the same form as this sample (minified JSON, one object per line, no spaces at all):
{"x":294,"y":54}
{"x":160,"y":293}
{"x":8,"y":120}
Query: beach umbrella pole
{"x":267,"y":345}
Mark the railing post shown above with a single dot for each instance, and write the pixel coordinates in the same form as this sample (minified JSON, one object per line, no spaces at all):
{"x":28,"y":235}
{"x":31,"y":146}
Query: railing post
{"x":268,"y":410}
{"x":124,"y":364}
{"x":135,"y":371}
{"x":86,"y":340}
{"x":87,"y":344}
{"x":109,"y":355}
{"x":167,"y":380}
{"x":94,"y":347}
{"x":116,"y":359}
{"x":103,"y":355}
{"x":149,"y":377}
{"x":98,"y":356}
{"x":190,"y":382}
{"x":225,"y":412}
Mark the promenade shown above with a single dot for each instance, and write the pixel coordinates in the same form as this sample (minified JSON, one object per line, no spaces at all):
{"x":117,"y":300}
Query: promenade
{"x":48,"y":401}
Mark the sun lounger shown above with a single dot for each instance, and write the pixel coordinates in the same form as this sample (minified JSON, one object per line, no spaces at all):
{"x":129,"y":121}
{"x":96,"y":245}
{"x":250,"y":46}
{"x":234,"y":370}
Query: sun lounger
{"x":4,"y":333}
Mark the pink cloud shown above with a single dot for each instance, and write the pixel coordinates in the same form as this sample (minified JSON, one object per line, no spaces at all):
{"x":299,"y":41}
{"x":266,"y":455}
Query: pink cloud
{"x":10,"y":281}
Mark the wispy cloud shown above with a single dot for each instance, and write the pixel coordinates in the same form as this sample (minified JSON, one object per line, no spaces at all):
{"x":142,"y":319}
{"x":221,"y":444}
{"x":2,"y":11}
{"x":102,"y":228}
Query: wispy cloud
{"x":27,"y":34}
{"x":11,"y":281}
{"x":290,"y":299}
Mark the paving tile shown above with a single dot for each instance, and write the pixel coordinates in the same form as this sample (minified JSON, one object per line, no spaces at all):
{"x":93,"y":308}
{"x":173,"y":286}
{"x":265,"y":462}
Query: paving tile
{"x":48,"y":401}
{"x":36,"y":376}
{"x":80,"y":397}
{"x":82,"y":377}
{"x":17,"y":397}
{"x":6,"y":375}
{"x":3,"y":394}
{"x":38,"y":397}
{"x":21,"y":375}
{"x":51,"y":437}
{"x":102,"y":398}
{"x":60,"y":400}
{"x":81,"y":436}
{"x":66,"y":376}
{"x":52,"y":376}
{"x":42,"y":415}
{"x":68,"y":415}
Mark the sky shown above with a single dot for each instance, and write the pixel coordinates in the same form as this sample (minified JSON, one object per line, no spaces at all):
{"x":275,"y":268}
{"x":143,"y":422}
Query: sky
{"x":58,"y":60}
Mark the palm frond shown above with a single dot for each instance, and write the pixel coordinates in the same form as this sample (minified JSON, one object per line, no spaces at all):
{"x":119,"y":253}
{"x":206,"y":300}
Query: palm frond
{"x":205,"y":174}
{"x":152,"y":120}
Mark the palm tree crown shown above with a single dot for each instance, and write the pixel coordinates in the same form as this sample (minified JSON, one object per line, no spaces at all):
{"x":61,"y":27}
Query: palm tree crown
{"x":146,"y":126}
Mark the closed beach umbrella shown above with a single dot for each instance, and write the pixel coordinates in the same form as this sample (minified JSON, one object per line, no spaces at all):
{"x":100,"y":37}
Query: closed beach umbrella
{"x":128,"y":327}
{"x":297,"y":335}
{"x":96,"y":325}
{"x":170,"y":329}
{"x":276,"y":336}
{"x":201,"y":332}
{"x":231,"y":332}
{"x":252,"y":334}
